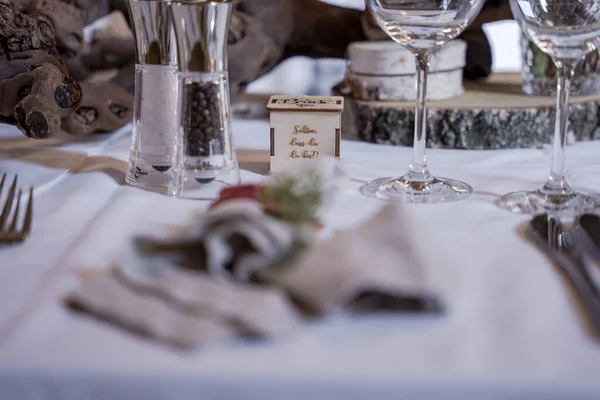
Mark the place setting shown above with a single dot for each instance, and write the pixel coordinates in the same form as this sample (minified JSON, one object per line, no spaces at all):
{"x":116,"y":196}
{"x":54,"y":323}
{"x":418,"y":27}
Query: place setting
{"x":399,"y":197}
{"x":202,"y":165}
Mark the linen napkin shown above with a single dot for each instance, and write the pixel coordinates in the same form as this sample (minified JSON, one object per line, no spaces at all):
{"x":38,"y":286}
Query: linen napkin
{"x":372,"y":268}
{"x":253,"y":266}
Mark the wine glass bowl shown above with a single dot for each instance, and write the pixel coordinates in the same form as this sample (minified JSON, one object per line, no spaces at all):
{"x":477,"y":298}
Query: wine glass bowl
{"x":567,"y":30}
{"x":422,"y":27}
{"x":564,"y":29}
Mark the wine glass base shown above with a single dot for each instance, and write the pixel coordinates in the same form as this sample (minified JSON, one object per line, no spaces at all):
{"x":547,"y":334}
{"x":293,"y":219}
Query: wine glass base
{"x":407,"y":191}
{"x":566,"y":205}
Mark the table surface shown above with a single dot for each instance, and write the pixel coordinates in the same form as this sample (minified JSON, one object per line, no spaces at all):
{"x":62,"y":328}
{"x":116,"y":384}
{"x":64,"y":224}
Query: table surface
{"x":513,"y":329}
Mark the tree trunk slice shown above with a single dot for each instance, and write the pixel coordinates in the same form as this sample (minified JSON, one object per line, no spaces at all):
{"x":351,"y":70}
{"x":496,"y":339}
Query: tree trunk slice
{"x":494,"y":114}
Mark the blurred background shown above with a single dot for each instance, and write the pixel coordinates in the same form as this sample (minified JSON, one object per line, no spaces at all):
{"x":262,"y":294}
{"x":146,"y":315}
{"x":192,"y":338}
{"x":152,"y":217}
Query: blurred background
{"x":317,"y":77}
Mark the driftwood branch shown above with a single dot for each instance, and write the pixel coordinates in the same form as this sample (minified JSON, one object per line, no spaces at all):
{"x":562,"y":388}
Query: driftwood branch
{"x":36,"y":91}
{"x":40,"y":42}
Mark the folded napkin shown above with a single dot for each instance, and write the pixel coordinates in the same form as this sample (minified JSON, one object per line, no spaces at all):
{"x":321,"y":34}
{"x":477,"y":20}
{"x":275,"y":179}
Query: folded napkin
{"x":372,"y":268}
{"x":252,"y":267}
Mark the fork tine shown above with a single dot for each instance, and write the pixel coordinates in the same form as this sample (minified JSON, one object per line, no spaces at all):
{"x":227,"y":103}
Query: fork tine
{"x":9,"y":202}
{"x":28,"y":215}
{"x":13,"y":225}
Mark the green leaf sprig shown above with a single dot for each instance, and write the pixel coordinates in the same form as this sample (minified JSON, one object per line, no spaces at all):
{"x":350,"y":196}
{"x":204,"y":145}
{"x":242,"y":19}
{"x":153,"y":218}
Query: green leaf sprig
{"x":295,"y":199}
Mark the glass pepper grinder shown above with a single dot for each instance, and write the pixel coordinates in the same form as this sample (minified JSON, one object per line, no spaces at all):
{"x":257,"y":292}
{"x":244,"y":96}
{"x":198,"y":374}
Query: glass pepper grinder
{"x":205,"y":158}
{"x":156,"y":96}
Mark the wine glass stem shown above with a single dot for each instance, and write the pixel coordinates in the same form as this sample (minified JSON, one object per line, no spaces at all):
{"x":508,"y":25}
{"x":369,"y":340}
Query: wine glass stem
{"x":556,"y":181}
{"x":418,"y":170}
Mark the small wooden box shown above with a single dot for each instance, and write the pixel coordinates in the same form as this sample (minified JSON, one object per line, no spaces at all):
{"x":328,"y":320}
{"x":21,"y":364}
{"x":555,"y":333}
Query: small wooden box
{"x":304,"y":127}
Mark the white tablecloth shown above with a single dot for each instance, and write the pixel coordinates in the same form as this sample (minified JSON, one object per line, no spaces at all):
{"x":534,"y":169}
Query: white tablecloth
{"x":512,"y":330}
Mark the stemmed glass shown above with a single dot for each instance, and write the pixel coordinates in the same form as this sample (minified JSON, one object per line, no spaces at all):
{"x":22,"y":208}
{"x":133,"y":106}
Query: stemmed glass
{"x":567,"y":30}
{"x":423,"y":27}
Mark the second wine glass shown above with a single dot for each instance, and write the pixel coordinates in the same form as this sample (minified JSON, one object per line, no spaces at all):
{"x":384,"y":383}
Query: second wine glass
{"x":566,"y":30}
{"x":423,"y":27}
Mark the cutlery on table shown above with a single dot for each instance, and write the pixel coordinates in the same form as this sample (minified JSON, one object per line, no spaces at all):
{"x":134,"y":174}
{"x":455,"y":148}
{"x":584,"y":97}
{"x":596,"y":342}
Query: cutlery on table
{"x":10,"y":229}
{"x":557,"y":242}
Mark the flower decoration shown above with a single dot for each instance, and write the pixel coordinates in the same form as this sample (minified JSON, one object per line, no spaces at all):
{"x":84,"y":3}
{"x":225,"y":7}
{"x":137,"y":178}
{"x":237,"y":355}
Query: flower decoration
{"x":297,"y":196}
{"x":249,"y":228}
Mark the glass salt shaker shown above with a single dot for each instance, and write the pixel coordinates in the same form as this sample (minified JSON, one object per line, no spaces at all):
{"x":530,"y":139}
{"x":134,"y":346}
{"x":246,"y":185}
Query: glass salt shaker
{"x":205,"y":158}
{"x":156,"y":96}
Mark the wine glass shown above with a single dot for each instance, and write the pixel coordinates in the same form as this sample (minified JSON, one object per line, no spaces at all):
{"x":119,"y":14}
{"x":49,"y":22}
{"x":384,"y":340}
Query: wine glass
{"x":423,"y":27}
{"x":567,"y":30}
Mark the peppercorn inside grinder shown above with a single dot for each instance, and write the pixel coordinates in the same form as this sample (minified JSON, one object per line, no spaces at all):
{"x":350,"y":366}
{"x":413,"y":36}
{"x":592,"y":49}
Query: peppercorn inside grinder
{"x":156,"y":97}
{"x":205,"y":158}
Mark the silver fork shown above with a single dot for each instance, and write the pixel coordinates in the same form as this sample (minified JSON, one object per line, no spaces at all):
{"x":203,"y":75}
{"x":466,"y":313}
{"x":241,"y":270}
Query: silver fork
{"x":10,"y":231}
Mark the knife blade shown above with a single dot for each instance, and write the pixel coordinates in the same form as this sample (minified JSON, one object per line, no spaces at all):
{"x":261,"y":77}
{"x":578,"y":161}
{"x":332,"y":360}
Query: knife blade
{"x":587,"y":232}
{"x":550,"y":236}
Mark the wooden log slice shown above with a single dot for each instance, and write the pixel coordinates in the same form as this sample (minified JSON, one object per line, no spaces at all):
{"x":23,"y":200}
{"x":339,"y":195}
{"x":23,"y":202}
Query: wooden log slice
{"x":494,"y":114}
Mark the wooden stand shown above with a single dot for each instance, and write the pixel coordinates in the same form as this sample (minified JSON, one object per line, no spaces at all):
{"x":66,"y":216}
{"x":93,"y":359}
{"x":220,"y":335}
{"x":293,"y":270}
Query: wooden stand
{"x":494,"y":114}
